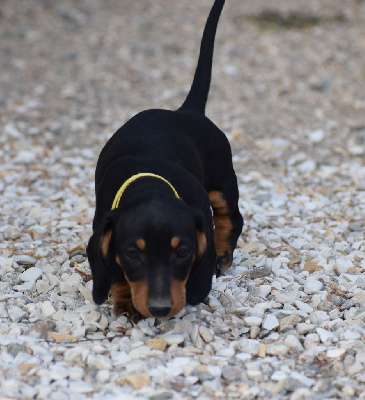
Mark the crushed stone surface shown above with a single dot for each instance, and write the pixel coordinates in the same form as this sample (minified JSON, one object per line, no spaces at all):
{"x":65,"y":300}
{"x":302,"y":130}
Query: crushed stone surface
{"x":287,"y":320}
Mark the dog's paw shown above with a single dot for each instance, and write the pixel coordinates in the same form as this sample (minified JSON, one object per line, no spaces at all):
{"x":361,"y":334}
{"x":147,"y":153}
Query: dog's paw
{"x":225,"y":261}
{"x":127,"y":309}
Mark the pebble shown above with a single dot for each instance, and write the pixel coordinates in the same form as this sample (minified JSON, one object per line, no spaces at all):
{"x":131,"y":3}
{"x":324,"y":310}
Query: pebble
{"x":250,"y":346}
{"x":263,"y":291}
{"x":270,"y":322}
{"x":103,"y":376}
{"x":47,"y":308}
{"x":283,"y":296}
{"x":227,"y":352}
{"x":31,"y":274}
{"x":325,"y":336}
{"x":316,"y":317}
{"x":25,"y":287}
{"x":206,"y":334}
{"x":279,"y":376}
{"x":316,"y":136}
{"x":307,"y":166}
{"x":312,"y":286}
{"x":80,"y":387}
{"x":335,"y":352}
{"x":277,"y":349}
{"x":16,"y":313}
{"x":303,"y":306}
{"x":292,"y":341}
{"x":252,"y":321}
{"x":174,"y":339}
{"x":24,"y":260}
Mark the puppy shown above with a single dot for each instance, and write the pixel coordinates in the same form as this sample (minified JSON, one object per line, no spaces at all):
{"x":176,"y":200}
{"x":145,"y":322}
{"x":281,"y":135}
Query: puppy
{"x":155,"y":242}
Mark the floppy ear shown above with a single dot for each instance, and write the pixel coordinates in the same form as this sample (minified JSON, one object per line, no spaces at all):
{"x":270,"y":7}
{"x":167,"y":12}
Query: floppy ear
{"x":200,"y":279}
{"x":97,"y":253}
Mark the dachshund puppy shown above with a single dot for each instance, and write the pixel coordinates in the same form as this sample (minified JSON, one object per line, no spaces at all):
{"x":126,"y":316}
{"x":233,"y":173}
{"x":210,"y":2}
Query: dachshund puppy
{"x":155,"y":241}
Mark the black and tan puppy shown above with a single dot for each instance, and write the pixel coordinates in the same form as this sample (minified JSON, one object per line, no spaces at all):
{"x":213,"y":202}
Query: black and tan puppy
{"x":155,"y":243}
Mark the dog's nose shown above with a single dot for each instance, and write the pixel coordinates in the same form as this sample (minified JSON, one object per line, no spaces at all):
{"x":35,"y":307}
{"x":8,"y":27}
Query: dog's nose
{"x":159,"y":306}
{"x":159,"y":311}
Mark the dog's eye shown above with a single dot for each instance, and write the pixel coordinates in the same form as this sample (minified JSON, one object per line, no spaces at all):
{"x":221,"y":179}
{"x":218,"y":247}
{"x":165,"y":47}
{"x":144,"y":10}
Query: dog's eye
{"x":131,"y":254}
{"x":182,"y":252}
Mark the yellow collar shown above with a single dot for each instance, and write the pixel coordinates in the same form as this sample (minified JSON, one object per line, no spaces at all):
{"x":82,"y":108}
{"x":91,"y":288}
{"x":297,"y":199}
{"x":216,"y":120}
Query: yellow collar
{"x":134,"y":178}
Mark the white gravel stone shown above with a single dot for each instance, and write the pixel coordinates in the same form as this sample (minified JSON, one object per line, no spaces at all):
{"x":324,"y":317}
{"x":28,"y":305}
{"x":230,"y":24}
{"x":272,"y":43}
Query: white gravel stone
{"x":303,"y":379}
{"x":103,"y":376}
{"x":263,"y":290}
{"x":279,"y":376}
{"x":312,"y":286}
{"x":31,"y":274}
{"x":24,"y":260}
{"x":283,"y":296}
{"x":292,"y":341}
{"x":244,"y":356}
{"x":249,"y":346}
{"x":16,"y":313}
{"x":351,"y":335}
{"x":252,"y":321}
{"x":174,"y":339}
{"x":303,"y":306}
{"x":206,"y":334}
{"x":25,"y":287}
{"x":6,"y":262}
{"x":307,"y":166}
{"x":277,"y":349}
{"x":227,"y":352}
{"x":103,"y":362}
{"x":335,"y":352}
{"x":318,"y":316}
{"x":304,"y":328}
{"x":316,"y":136}
{"x":270,"y":322}
{"x":47,"y":308}
{"x":326,"y":336}
{"x":80,"y":387}
{"x":25,"y":157}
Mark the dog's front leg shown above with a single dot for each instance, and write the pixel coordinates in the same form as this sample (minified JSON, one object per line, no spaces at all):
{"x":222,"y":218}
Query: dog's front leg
{"x":122,"y":301}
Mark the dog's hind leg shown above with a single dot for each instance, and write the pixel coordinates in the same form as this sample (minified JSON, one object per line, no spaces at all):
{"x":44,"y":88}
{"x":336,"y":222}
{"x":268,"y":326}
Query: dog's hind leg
{"x":228,"y":221}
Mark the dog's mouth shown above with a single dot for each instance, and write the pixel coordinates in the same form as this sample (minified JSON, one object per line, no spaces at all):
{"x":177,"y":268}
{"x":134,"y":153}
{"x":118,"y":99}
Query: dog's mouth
{"x":158,"y":307}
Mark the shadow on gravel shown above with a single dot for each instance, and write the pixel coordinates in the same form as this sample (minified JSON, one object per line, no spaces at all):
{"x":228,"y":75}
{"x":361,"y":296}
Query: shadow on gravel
{"x":273,"y":19}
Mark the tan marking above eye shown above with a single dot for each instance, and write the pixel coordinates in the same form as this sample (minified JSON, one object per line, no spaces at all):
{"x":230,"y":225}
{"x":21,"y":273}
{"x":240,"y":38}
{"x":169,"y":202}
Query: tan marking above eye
{"x":117,"y":259}
{"x":175,"y":242}
{"x":141,"y":244}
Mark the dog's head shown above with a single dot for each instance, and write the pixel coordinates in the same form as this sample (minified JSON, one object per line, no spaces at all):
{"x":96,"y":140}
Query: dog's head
{"x":157,"y":242}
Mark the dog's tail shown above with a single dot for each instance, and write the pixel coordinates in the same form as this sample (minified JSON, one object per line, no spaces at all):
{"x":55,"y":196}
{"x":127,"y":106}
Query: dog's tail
{"x":198,"y":94}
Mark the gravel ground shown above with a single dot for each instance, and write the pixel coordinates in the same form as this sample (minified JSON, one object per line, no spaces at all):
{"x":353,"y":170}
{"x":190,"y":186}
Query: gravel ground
{"x":287,"y":319}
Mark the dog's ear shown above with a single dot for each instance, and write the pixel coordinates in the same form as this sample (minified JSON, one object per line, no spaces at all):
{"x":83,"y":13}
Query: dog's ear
{"x":98,"y":252}
{"x":200,"y":279}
